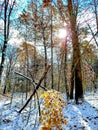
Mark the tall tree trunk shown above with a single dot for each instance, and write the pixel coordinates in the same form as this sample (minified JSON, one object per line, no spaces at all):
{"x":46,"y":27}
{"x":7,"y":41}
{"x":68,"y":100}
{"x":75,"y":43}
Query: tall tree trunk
{"x":45,"y":51}
{"x":27,"y":62}
{"x":5,"y":38}
{"x":7,"y":14}
{"x":52,"y":77}
{"x":76,"y":53}
{"x":59,"y":74}
{"x":72,"y":81}
{"x":65,"y":68}
{"x":96,"y":13}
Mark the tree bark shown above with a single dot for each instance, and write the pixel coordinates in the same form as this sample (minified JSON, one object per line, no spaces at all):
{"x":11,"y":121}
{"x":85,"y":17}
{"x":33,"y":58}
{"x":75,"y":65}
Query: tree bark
{"x":5,"y":38}
{"x":65,"y":68}
{"x":7,"y":14}
{"x":76,"y":53}
{"x":72,"y":81}
{"x":45,"y":52}
{"x":51,"y":30}
{"x":96,"y":13}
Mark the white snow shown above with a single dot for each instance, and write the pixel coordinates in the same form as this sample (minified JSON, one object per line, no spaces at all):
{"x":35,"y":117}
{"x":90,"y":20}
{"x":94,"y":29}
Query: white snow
{"x":80,"y":117}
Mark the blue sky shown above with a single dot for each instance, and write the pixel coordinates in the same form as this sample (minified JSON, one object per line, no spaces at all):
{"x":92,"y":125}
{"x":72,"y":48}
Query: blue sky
{"x":22,"y":4}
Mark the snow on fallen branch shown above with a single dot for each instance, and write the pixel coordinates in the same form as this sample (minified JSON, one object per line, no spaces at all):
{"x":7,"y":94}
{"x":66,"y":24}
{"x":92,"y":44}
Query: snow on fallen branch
{"x":36,"y":87}
{"x":31,"y":80}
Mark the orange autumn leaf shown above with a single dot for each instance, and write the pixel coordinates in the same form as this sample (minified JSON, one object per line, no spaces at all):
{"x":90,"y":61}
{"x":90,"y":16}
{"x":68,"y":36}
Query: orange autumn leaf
{"x":45,"y":128}
{"x":51,"y":114}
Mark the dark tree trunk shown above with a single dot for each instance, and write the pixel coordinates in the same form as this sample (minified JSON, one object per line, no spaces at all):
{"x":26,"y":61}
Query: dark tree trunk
{"x":7,"y":14}
{"x":59,"y":74}
{"x":5,"y":38}
{"x":51,"y":30}
{"x":45,"y":49}
{"x":72,"y":81}
{"x":65,"y":68}
{"x":4,"y":90}
{"x":45,"y":53}
{"x":96,"y":13}
{"x":76,"y":53}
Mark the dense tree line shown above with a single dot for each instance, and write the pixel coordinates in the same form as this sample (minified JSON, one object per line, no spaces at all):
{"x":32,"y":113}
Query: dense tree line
{"x":38,"y":26}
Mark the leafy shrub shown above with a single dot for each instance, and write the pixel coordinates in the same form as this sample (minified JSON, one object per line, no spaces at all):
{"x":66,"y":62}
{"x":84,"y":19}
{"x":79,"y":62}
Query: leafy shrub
{"x":51,"y":113}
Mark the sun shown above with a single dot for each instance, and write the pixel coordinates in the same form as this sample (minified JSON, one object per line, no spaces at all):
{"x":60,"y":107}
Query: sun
{"x":62,"y":33}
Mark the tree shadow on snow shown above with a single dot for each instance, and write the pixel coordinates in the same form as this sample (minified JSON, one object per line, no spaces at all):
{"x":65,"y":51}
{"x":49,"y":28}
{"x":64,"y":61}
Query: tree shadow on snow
{"x":82,"y":117}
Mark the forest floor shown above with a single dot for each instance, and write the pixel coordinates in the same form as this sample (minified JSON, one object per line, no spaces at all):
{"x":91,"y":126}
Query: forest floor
{"x":80,"y":117}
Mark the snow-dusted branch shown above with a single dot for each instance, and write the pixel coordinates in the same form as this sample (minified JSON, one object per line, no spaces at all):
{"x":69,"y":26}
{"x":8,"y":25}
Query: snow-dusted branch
{"x":31,"y":80}
{"x":36,"y":88}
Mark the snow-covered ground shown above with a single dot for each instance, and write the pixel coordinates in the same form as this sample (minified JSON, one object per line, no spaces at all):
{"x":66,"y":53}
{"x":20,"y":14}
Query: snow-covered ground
{"x":80,"y":117}
{"x":83,"y":116}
